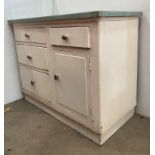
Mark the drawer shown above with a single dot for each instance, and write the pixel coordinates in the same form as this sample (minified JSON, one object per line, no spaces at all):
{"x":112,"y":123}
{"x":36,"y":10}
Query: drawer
{"x":70,"y":36}
{"x":32,"y":56}
{"x":37,"y":83}
{"x":38,"y":35}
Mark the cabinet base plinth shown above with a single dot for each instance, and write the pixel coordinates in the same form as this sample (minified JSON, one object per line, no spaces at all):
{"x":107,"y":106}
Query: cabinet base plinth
{"x":96,"y":137}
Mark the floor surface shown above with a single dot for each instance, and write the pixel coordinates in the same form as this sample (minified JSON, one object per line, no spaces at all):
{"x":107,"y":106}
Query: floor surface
{"x":30,"y":131}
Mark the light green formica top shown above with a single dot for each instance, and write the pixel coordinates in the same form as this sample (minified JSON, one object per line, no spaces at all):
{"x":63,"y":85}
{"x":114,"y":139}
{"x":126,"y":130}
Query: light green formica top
{"x":82,"y":15}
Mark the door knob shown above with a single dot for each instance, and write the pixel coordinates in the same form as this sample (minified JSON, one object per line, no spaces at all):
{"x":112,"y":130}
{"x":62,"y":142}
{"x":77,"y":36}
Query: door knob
{"x":64,"y":37}
{"x":32,"y":83}
{"x":56,"y":77}
{"x":29,"y":57}
{"x":27,"y":35}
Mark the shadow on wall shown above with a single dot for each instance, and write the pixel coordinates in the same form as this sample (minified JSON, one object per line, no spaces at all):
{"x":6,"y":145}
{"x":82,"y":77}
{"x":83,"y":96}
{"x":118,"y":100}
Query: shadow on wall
{"x":143,"y":83}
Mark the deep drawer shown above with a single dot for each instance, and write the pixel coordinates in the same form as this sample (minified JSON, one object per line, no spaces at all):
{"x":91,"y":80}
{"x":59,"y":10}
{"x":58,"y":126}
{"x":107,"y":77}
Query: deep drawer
{"x":37,"y":83}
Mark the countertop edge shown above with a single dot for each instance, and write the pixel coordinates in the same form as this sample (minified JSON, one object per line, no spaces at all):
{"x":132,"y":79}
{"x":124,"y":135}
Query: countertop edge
{"x":82,"y":15}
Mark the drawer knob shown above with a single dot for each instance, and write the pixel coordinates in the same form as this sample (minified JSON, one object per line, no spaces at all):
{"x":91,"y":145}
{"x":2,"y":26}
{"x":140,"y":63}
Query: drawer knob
{"x":64,"y":37}
{"x":56,"y":77}
{"x":32,"y":83}
{"x":27,"y":35}
{"x":29,"y":57}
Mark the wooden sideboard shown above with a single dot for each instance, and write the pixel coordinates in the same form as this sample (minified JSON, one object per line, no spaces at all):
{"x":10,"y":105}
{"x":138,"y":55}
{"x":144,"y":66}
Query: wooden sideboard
{"x":81,"y":68}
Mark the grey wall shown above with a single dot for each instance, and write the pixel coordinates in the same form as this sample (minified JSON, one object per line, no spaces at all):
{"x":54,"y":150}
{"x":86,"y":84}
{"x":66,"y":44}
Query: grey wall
{"x":18,"y":9}
{"x":26,"y":8}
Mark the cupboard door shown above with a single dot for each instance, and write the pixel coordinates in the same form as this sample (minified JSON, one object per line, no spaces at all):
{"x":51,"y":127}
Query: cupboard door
{"x":71,"y":82}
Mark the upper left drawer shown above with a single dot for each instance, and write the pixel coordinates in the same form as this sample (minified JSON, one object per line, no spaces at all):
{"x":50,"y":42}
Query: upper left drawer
{"x":36,"y":35}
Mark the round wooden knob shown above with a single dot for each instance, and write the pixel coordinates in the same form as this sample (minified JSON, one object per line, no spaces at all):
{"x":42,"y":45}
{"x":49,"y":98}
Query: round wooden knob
{"x":56,"y":77}
{"x":64,"y":37}
{"x":32,"y":83}
{"x":27,"y":35}
{"x":29,"y":57}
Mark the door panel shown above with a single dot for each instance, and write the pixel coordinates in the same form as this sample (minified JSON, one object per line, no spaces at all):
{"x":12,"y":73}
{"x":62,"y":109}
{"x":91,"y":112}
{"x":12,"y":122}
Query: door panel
{"x":71,"y":84}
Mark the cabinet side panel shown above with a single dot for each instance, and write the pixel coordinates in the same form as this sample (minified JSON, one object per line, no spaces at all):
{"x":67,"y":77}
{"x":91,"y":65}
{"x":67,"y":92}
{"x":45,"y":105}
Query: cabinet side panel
{"x":118,"y":69}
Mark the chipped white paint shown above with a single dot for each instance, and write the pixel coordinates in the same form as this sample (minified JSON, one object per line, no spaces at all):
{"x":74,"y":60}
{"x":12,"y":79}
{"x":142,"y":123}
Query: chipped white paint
{"x":95,"y":101}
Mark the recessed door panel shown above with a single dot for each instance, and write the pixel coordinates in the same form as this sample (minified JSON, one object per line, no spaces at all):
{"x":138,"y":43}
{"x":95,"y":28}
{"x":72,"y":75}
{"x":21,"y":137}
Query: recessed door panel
{"x":71,"y":82}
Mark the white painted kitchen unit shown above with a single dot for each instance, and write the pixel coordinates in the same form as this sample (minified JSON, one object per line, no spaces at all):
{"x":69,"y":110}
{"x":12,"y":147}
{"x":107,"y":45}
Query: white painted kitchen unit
{"x":81,"y":68}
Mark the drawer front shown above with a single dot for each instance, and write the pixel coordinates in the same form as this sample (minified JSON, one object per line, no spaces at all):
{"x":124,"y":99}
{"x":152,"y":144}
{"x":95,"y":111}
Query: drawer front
{"x":70,"y":36}
{"x":38,"y":35}
{"x":35,"y":82}
{"x":33,"y":56}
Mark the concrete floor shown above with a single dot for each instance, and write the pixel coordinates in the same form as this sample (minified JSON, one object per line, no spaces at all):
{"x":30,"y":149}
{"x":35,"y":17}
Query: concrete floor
{"x":30,"y":131}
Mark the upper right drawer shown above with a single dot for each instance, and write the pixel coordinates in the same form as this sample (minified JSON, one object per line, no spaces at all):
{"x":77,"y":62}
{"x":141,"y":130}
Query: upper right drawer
{"x":70,"y":36}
